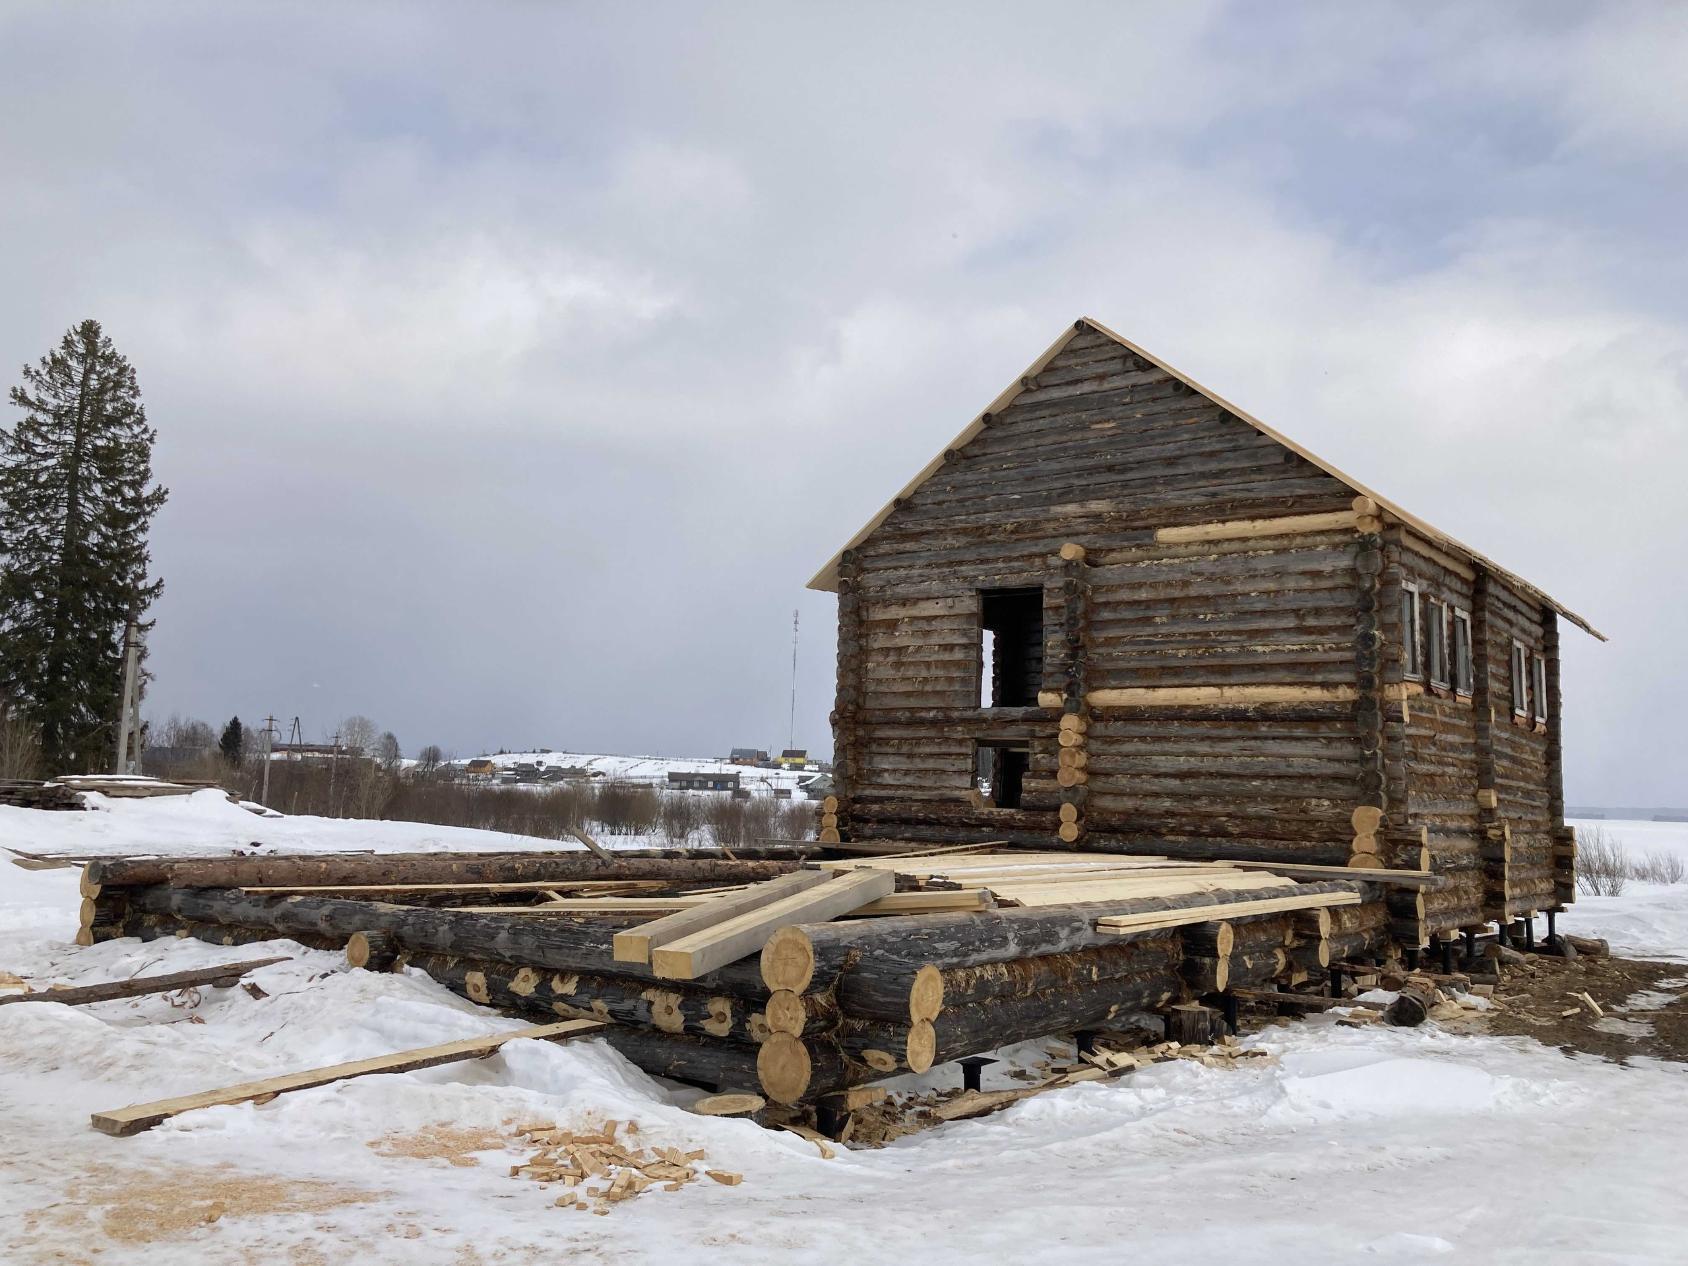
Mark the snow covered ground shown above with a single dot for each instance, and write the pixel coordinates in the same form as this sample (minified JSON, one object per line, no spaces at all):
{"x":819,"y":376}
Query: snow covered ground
{"x":209,"y":822}
{"x":1349,"y":1145}
{"x":1646,"y":920}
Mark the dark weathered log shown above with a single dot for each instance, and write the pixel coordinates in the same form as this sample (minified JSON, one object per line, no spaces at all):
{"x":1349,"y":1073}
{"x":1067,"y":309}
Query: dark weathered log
{"x":964,"y":1030}
{"x":421,"y":868}
{"x":153,"y":927}
{"x":373,"y":951}
{"x":812,"y":955}
{"x":223,"y":975}
{"x":550,"y":944}
{"x":574,"y":995}
{"x":1193,"y":1024}
{"x":707,"y":1062}
{"x":1411,"y":1005}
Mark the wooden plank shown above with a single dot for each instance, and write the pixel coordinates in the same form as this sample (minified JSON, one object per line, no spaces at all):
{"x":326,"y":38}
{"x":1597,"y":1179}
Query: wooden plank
{"x":704,"y":951}
{"x":1153,"y":920}
{"x":143,"y":1116}
{"x":135,"y":986}
{"x":1384,"y":875}
{"x":528,"y":885}
{"x":1288,"y":525}
{"x":923,"y":902}
{"x":635,"y":944}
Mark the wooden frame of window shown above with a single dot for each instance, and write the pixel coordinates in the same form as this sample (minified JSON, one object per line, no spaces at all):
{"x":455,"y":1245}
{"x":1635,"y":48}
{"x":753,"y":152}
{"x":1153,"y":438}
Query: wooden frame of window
{"x":1538,"y":688}
{"x":1436,"y":641}
{"x":1520,"y":679}
{"x":1465,"y":678}
{"x":1412,"y":650}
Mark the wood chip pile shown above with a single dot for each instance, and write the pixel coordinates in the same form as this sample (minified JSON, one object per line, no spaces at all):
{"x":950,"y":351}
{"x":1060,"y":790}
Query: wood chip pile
{"x":600,"y":1171}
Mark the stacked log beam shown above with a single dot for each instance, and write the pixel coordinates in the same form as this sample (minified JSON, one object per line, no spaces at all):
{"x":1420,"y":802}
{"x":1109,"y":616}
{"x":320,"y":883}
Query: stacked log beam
{"x":1369,"y":703}
{"x":1073,"y":758}
{"x":1564,"y":854}
{"x":846,"y":714}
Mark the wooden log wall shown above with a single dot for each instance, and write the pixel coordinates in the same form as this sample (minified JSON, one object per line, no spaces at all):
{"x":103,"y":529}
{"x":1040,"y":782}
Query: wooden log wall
{"x":1522,"y":775}
{"x":1438,"y":766}
{"x":1108,"y":452}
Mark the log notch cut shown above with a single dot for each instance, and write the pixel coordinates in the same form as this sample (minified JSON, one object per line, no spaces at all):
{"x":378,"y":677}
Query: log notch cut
{"x":1072,"y":757}
{"x":847,"y":769}
{"x":1563,"y":838}
{"x":1369,"y":704}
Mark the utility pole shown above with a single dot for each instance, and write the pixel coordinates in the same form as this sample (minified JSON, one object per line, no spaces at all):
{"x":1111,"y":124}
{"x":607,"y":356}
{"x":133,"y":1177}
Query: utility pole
{"x":791,"y":741}
{"x":269,"y":743}
{"x":127,"y":721}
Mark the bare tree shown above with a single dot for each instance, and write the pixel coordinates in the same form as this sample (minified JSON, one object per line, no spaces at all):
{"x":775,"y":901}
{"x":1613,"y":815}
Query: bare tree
{"x":20,"y":753}
{"x":387,"y":751}
{"x":430,"y":757}
{"x":357,"y":734}
{"x":185,"y":733}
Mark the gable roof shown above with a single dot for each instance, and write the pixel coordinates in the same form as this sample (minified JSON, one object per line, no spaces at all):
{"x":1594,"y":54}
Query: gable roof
{"x":827,"y":578}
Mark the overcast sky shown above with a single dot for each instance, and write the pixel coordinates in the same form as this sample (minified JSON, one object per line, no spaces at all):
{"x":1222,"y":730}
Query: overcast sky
{"x":514,"y":366}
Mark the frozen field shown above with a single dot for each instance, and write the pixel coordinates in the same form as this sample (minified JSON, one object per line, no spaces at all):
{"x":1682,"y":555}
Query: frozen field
{"x":1349,"y":1146}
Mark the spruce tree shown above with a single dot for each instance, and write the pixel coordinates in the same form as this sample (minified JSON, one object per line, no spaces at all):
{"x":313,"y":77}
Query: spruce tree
{"x":233,"y":741}
{"x":76,"y":499}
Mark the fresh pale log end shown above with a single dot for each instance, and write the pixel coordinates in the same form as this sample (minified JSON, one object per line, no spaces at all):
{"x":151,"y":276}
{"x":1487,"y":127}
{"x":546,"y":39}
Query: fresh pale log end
{"x":830,"y":836}
{"x":1069,"y":832}
{"x":1050,"y":698}
{"x":783,"y":1068}
{"x":1368,"y":523}
{"x":1365,"y":861}
{"x":1366,"y":819}
{"x":729,"y":1105}
{"x":1487,"y":798}
{"x":84,"y":936}
{"x":87,"y":886}
{"x":1364,"y":505}
{"x":829,"y":805}
{"x":786,"y":1013}
{"x":829,"y":821}
{"x":670,"y":964}
{"x":1072,"y":552}
{"x":922,"y":1046}
{"x":881,"y":1061}
{"x":373,"y":951}
{"x":788,"y":960}
{"x":87,"y":913}
{"x":631,"y":947}
{"x":1069,"y":813}
{"x":926,"y":995}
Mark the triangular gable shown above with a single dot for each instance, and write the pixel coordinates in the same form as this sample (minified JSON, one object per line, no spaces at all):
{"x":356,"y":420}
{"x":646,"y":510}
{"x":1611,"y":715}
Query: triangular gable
{"x":827,"y":578}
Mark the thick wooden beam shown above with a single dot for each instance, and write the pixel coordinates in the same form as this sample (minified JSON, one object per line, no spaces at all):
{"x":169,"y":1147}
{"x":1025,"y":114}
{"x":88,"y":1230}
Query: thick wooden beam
{"x":135,"y":986}
{"x":635,"y":944}
{"x":705,"y":950}
{"x":1377,"y":875}
{"x":1235,"y":529}
{"x":143,"y":1116}
{"x":1155,"y":919}
{"x":1175,"y":696}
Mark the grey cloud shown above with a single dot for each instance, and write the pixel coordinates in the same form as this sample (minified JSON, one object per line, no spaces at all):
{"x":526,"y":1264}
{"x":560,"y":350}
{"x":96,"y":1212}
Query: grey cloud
{"x":516,"y":365}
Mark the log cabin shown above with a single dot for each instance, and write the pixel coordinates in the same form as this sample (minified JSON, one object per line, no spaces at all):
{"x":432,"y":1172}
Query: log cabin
{"x":1119,"y":613}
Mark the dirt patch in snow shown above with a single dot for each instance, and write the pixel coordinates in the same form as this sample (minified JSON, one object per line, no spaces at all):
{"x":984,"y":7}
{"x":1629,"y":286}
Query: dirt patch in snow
{"x":1645,"y":1005}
